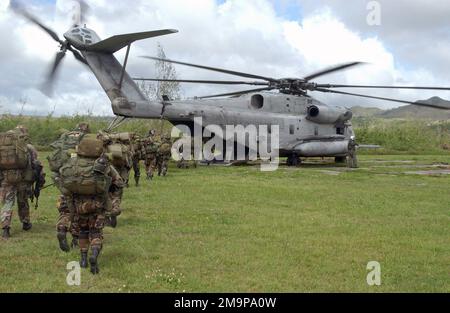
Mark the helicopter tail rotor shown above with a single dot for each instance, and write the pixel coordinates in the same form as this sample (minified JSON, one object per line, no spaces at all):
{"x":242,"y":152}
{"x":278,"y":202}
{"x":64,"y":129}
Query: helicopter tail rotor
{"x":47,"y":87}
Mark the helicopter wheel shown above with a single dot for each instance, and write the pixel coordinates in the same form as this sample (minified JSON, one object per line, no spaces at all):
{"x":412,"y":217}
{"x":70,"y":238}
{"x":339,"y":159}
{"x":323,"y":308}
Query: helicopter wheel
{"x":340,"y":160}
{"x":293,"y":160}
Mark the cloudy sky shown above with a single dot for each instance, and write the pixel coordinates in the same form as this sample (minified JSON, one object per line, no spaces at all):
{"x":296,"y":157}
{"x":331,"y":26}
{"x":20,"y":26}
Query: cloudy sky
{"x":285,"y":38}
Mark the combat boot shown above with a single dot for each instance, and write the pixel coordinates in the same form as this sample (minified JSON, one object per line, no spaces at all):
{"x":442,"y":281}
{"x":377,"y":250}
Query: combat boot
{"x":94,"y":260}
{"x":84,"y":260}
{"x":113,"y":221}
{"x":6,"y":235}
{"x":27,"y":226}
{"x":62,"y":239}
{"x":74,"y":242}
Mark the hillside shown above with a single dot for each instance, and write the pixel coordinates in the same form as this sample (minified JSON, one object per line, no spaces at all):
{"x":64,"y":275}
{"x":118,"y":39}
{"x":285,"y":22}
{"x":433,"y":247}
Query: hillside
{"x":408,"y":112}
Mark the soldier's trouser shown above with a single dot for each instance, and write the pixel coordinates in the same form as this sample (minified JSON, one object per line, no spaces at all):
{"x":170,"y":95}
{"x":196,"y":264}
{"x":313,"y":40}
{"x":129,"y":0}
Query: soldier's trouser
{"x":8,"y":195}
{"x":137,"y":170}
{"x":91,"y":231}
{"x":162,"y":162}
{"x":116,"y":201}
{"x":150,"y":164}
{"x":124,"y":173}
{"x":65,"y":221}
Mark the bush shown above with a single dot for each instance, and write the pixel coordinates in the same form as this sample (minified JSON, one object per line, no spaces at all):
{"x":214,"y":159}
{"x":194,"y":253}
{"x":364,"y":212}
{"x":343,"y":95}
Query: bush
{"x":404,"y":136}
{"x":45,"y":130}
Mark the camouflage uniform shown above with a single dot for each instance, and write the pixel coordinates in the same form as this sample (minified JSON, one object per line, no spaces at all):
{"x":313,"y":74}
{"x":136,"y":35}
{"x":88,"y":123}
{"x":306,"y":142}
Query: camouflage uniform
{"x":116,"y":195}
{"x":65,"y":221}
{"x":22,"y":189}
{"x":89,"y":210}
{"x":150,"y":161}
{"x":150,"y":146}
{"x":138,"y":155}
{"x":183,"y":163}
{"x":163,"y":156}
{"x":123,"y":170}
{"x":91,"y":225}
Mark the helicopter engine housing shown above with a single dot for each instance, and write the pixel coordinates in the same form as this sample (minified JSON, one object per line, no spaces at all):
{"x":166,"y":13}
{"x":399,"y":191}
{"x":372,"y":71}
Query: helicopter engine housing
{"x":328,"y":115}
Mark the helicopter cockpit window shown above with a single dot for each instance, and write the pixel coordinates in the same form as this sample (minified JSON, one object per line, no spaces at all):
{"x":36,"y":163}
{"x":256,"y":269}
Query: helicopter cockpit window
{"x":257,"y":102}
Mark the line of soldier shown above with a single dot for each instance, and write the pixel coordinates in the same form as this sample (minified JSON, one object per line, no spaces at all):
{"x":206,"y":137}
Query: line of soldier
{"x":90,"y":170}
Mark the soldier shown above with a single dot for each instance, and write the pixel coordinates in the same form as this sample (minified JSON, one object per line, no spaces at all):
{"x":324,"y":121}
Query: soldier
{"x":67,"y":141}
{"x":163,"y":155}
{"x":86,"y":180}
{"x":150,"y":149}
{"x":186,"y":155}
{"x":120,"y":149}
{"x":352,"y":159}
{"x":19,"y":169}
{"x":138,"y":155}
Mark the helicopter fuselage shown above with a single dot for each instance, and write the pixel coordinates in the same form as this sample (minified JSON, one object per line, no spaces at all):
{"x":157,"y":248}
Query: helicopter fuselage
{"x":307,"y":127}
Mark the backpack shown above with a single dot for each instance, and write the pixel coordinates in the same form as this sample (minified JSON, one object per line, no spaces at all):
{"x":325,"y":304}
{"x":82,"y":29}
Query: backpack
{"x":150,"y":147}
{"x":165,"y":148}
{"x":84,"y":176}
{"x":13,"y":151}
{"x":60,"y":156}
{"x":120,"y":155}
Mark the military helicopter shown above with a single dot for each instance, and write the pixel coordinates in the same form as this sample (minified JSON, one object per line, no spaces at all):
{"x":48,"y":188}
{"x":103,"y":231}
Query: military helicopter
{"x":308,"y":127}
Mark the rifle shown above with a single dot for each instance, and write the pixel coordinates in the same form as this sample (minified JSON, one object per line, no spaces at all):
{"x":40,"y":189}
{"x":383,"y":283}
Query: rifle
{"x":39,"y":182}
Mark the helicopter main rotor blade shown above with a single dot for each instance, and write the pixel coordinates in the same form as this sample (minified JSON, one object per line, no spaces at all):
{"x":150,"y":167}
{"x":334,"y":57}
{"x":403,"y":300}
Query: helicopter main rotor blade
{"x":332,"y":70}
{"x":215,"y":69}
{"x":237,"y":93}
{"x":79,"y":18}
{"x":381,"y":87}
{"x":214,"y":82}
{"x":47,"y":88}
{"x":418,"y":103}
{"x":17,"y":8}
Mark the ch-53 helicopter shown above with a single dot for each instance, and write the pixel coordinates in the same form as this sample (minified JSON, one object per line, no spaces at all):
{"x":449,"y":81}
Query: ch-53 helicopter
{"x":308,"y":127}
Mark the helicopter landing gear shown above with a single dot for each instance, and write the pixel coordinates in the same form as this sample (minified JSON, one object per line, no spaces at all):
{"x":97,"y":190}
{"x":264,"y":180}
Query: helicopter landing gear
{"x":340,"y":160}
{"x":293,"y":160}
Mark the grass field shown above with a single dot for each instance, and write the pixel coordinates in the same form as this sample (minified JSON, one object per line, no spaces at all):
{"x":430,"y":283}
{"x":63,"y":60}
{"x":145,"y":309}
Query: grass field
{"x":236,"y":229}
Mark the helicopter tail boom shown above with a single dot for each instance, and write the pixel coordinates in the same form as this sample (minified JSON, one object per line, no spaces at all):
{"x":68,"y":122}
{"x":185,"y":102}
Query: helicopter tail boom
{"x":125,"y":96}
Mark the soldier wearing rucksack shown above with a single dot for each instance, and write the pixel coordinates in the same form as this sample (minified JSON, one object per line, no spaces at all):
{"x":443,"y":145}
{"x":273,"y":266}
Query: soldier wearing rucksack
{"x":68,"y":141}
{"x":120,"y":152}
{"x":19,"y":170}
{"x":150,"y":148}
{"x":86,"y":180}
{"x":163,"y":155}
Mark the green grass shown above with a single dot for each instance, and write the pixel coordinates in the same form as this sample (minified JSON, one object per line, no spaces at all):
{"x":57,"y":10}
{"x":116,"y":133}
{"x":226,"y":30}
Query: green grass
{"x":236,"y":229}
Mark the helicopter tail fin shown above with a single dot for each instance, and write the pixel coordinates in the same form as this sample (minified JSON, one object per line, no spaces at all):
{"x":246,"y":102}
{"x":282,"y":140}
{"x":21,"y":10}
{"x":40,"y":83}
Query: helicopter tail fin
{"x":116,"y":43}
